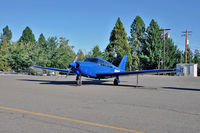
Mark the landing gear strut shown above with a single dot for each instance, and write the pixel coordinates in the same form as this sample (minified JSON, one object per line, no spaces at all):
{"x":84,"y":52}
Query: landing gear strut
{"x":116,"y":80}
{"x":78,"y":80}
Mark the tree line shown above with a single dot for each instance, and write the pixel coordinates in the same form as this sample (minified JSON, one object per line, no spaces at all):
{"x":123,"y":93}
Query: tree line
{"x":144,"y":48}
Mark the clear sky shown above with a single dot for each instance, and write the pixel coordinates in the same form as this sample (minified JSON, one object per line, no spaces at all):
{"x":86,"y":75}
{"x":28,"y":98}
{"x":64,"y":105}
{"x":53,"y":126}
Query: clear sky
{"x":87,"y":23}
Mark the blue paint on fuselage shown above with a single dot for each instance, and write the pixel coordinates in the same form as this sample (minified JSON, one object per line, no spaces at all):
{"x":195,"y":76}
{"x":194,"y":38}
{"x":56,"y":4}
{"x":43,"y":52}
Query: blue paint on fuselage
{"x":93,"y":65}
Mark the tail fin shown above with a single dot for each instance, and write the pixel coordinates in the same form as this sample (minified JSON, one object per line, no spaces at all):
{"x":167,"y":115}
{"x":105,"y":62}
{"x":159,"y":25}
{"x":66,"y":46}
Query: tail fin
{"x":122,"y":64}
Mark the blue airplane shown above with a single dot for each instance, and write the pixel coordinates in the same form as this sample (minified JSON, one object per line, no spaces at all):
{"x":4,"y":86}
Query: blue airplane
{"x":98,"y":68}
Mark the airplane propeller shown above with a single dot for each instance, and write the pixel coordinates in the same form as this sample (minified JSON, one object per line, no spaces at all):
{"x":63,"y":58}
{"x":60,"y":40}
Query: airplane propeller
{"x":72,"y":64}
{"x":67,"y":73}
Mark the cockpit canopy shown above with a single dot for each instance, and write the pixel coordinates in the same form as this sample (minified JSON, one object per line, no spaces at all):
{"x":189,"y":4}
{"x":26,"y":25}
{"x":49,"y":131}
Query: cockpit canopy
{"x":98,"y":61}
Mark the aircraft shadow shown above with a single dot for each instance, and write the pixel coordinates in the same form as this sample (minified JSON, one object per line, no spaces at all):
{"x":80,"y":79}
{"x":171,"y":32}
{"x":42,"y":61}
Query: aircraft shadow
{"x":101,"y":82}
{"x":178,"y":88}
{"x":84,"y":82}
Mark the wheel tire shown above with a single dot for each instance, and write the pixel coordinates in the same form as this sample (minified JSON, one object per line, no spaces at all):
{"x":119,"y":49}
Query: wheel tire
{"x":79,"y":82}
{"x":115,"y":82}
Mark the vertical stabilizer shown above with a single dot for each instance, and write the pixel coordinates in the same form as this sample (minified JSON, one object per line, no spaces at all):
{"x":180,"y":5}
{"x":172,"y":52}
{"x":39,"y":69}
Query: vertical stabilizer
{"x":122,"y":64}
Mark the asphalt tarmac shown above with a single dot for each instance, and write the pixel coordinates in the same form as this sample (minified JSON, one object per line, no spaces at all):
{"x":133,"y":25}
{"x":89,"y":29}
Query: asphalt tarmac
{"x":160,"y":104}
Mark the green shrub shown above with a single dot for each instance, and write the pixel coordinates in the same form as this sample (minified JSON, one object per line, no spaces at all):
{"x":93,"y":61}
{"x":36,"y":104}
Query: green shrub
{"x":35,"y":71}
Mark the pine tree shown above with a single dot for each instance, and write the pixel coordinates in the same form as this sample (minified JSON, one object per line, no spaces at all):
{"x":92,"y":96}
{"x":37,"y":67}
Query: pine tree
{"x":196,"y":56}
{"x":40,"y":51}
{"x":41,"y":40}
{"x":189,"y":56}
{"x":22,"y":56}
{"x":4,"y":43}
{"x":52,"y":46}
{"x":63,"y":42}
{"x":4,"y":54}
{"x":7,"y":33}
{"x":81,"y":55}
{"x":137,"y":40}
{"x":96,"y":52}
{"x":27,"y":36}
{"x":118,"y":45}
{"x":172,"y":55}
{"x":65,"y":53}
{"x":197,"y":60}
{"x":152,"y":48}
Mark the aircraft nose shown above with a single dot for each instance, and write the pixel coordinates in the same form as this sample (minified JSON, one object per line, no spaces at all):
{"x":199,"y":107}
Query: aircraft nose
{"x":72,"y":64}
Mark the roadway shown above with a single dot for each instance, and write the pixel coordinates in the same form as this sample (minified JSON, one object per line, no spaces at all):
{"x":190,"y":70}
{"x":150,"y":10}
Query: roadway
{"x":161,"y":104}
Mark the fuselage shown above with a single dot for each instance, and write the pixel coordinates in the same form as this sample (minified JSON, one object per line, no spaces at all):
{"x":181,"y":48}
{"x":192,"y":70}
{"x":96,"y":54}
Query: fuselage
{"x":92,"y":66}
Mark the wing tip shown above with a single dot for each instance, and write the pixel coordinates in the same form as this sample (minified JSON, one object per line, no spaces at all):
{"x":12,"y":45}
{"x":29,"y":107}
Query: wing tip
{"x":177,"y":70}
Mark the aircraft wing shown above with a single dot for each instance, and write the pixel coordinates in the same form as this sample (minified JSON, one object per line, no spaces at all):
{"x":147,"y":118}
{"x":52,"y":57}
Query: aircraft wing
{"x":137,"y":72}
{"x":55,"y":69}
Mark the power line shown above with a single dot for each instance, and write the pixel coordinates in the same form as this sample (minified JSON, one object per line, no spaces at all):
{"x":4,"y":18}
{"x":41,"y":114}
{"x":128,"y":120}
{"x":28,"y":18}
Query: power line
{"x":186,"y":34}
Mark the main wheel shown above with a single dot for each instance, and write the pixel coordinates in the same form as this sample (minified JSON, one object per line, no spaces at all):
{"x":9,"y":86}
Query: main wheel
{"x":78,"y":82}
{"x":115,"y":82}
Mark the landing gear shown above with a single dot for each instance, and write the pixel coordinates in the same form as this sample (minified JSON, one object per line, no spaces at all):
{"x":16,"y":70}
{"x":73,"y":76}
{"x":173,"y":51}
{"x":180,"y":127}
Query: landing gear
{"x":116,"y":80}
{"x":78,"y":80}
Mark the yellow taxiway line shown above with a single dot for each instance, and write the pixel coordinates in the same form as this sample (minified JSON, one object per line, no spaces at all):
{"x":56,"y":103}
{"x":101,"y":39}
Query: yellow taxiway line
{"x":69,"y":119}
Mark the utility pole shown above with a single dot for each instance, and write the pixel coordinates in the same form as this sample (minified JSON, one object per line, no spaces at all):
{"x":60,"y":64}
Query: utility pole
{"x":164,"y":45}
{"x":186,"y":33}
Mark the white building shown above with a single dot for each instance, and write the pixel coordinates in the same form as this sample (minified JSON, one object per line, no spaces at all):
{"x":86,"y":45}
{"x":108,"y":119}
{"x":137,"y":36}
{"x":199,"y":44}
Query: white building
{"x":187,"y":70}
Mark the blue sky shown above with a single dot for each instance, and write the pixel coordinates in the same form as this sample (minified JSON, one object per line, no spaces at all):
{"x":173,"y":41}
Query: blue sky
{"x":87,"y":23}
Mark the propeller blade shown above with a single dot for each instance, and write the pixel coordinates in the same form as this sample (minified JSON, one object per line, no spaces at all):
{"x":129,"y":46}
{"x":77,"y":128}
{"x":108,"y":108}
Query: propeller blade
{"x":67,"y":73}
{"x":77,"y":55}
{"x":73,"y":64}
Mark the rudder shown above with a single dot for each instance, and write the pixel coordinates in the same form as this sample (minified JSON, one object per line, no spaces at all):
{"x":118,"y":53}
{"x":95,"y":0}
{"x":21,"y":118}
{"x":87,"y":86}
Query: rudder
{"x":122,"y":64}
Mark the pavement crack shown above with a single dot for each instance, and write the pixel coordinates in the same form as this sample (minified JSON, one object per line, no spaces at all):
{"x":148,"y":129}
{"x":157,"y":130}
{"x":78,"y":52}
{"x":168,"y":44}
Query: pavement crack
{"x":174,"y":110}
{"x":161,"y":108}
